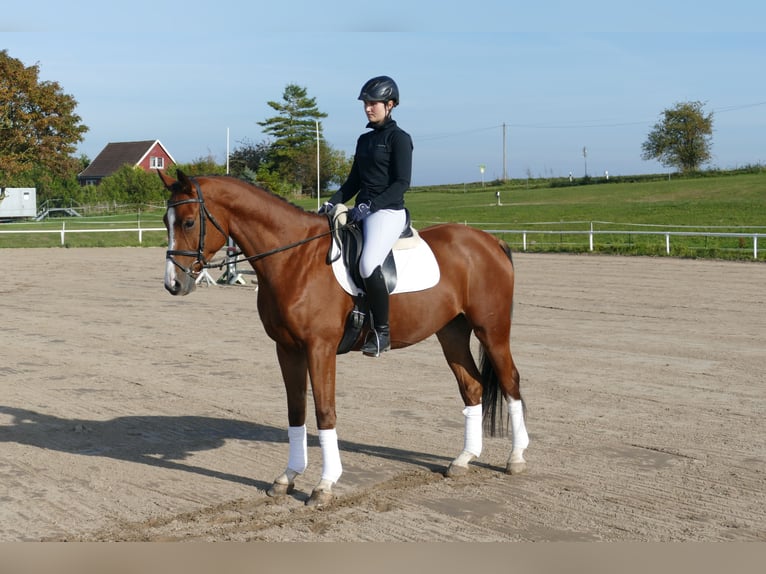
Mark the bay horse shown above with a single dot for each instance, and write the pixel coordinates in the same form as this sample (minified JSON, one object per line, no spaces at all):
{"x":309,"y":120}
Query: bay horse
{"x":303,"y":309}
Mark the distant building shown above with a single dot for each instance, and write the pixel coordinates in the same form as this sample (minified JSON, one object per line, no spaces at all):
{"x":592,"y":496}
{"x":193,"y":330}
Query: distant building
{"x":17,"y":203}
{"x":148,"y":155}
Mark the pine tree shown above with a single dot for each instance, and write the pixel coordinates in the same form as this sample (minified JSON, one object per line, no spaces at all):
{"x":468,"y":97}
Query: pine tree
{"x":294,"y":131}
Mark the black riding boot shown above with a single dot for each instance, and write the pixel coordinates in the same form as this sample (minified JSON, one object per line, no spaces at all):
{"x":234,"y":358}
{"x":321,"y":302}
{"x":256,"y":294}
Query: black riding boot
{"x":378,"y":339}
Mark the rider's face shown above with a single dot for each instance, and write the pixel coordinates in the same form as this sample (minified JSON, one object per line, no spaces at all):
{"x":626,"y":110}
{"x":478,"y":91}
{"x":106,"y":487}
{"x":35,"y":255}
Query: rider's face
{"x":376,"y":111}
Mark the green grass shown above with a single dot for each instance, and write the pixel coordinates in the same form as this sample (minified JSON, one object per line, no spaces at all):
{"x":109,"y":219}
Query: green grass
{"x":724,"y":203}
{"x":734,"y":203}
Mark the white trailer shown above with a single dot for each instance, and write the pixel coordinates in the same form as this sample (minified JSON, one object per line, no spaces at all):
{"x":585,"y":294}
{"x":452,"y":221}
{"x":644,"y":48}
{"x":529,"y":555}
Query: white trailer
{"x":18,"y":202}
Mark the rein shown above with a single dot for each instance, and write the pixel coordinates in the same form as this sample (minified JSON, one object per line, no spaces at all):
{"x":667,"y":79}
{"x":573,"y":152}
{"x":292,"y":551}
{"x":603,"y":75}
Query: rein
{"x":199,"y":254}
{"x":258,"y":256}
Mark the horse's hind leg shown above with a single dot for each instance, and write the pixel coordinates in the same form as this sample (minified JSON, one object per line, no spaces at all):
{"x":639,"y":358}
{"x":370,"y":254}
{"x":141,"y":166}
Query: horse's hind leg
{"x":455,"y":340}
{"x":502,"y":370}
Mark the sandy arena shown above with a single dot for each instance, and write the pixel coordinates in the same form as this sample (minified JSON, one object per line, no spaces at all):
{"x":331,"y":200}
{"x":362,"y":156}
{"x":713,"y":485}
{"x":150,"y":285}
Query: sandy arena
{"x":129,"y":415}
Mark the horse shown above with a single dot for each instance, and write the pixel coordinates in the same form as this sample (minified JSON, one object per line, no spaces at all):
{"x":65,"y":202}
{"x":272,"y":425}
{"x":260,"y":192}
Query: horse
{"x":304,"y":310}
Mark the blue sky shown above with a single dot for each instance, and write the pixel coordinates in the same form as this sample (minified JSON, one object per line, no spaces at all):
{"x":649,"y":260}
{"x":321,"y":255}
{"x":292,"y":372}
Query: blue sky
{"x":561,"y":76}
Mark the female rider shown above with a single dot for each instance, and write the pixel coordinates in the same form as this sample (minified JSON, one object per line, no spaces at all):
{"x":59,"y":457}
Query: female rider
{"x":380,"y":175}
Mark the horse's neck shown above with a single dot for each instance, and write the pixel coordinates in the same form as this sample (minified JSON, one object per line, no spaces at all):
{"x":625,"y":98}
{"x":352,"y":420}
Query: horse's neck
{"x":266,"y":223}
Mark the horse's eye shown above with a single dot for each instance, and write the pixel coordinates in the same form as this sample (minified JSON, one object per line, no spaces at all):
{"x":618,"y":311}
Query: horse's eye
{"x":189,"y":223}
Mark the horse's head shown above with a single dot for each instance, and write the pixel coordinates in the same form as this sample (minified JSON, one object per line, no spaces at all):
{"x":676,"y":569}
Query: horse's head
{"x":192,"y":242}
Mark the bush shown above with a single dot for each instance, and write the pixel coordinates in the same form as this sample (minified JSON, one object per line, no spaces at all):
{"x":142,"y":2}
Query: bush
{"x":128,"y":185}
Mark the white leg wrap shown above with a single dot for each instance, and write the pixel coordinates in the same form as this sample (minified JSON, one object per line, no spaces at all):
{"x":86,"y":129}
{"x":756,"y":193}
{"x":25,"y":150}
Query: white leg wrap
{"x":298,"y":459}
{"x":520,"y":436}
{"x":331,"y":467}
{"x":473,"y":432}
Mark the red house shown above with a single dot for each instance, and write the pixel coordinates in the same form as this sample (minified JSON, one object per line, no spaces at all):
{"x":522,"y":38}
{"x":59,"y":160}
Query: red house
{"x":147,"y":155}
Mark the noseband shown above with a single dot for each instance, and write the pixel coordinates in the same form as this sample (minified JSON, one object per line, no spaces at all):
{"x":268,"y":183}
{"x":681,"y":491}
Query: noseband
{"x":199,"y":254}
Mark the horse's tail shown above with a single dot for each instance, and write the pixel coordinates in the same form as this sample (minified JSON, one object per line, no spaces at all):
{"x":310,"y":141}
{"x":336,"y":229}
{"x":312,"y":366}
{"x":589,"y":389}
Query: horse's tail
{"x":508,"y":253}
{"x":507,"y":249}
{"x":494,"y":416}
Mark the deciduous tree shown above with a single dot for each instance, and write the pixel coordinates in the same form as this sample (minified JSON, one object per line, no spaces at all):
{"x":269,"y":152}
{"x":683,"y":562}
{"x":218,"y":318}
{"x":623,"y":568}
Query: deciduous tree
{"x":39,"y":128}
{"x":682,"y":138}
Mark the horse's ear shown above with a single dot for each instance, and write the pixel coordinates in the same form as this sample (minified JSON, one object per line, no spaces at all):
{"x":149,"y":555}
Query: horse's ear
{"x":183,"y":179}
{"x":167,"y":181}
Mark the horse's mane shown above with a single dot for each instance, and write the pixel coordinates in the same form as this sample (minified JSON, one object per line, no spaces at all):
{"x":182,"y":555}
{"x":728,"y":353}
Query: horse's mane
{"x":251,"y":184}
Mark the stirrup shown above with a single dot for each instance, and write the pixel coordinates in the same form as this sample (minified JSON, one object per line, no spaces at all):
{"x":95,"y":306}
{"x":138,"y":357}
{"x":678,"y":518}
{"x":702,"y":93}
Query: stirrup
{"x":377,"y":342}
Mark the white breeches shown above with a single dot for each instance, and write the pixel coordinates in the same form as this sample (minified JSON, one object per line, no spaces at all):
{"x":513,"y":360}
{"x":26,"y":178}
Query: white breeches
{"x":381,"y":230}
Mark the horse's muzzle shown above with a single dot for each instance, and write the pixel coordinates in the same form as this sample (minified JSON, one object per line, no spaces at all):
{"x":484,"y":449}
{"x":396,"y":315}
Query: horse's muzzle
{"x":178,"y":284}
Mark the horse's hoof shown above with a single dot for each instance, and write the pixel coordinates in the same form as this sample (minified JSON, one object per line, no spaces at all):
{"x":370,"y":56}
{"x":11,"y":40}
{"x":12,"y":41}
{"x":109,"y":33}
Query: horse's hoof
{"x":516,"y":467}
{"x":278,"y":489}
{"x":319,"y":498}
{"x":456,"y":470}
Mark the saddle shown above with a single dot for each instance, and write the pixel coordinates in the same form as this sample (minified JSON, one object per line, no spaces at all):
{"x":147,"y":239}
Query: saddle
{"x":347,"y":244}
{"x":349,"y":240}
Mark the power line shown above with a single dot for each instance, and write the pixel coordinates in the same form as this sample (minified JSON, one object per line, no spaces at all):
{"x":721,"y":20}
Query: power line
{"x":584,"y":124}
{"x":455,"y":134}
{"x":581,"y":124}
{"x":741,"y":107}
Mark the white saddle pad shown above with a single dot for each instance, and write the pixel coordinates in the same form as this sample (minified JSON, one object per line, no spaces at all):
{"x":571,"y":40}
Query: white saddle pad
{"x":416,"y":269}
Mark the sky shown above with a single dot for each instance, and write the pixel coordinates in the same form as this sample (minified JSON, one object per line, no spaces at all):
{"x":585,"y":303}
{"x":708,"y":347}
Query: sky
{"x":525,"y":89}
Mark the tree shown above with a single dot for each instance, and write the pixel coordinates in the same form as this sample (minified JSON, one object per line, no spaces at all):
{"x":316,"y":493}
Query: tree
{"x":38,"y":126}
{"x":248,"y":157}
{"x":294,"y":130}
{"x":682,"y":138}
{"x":204,"y":165}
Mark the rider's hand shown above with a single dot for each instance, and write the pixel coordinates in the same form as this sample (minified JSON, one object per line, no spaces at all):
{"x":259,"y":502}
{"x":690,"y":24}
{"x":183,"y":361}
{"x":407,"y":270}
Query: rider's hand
{"x":326,"y":208}
{"x":359,"y":212}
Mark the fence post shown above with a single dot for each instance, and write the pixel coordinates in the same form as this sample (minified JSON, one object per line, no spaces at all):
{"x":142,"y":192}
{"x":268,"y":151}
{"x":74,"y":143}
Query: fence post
{"x":755,"y":247}
{"x":667,"y":243}
{"x":63,"y":227}
{"x":524,"y":240}
{"x":591,"y":236}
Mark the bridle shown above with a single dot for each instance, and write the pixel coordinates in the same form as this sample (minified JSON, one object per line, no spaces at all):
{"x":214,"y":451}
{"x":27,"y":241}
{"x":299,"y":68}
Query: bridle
{"x":199,"y":255}
{"x":200,"y":262}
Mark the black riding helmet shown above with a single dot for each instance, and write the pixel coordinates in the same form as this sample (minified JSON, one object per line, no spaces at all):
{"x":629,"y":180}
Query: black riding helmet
{"x":380,"y":89}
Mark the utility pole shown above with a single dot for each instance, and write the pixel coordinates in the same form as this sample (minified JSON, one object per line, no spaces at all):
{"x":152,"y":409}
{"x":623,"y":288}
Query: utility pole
{"x":504,"y":172}
{"x":585,"y":157}
{"x":318,"y":180}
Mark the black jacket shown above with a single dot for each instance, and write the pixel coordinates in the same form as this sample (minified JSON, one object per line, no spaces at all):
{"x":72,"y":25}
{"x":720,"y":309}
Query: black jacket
{"x":382,"y":167}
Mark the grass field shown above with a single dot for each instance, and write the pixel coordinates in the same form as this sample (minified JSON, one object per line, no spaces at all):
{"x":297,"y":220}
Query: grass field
{"x":628,"y":217}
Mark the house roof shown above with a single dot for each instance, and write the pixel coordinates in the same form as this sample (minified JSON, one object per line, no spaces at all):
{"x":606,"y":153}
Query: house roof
{"x":115,"y":155}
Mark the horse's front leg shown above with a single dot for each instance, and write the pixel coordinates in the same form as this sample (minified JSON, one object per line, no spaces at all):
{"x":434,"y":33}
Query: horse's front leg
{"x":321,"y":365}
{"x":294,"y":369}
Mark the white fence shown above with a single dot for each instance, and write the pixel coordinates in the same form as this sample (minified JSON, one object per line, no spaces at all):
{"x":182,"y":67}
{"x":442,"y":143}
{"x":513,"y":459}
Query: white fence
{"x":667,"y":235}
{"x":63,"y":232}
{"x":591,"y":234}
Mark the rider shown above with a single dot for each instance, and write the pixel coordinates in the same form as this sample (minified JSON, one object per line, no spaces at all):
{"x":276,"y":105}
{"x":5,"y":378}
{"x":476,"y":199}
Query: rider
{"x":379,"y":177}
